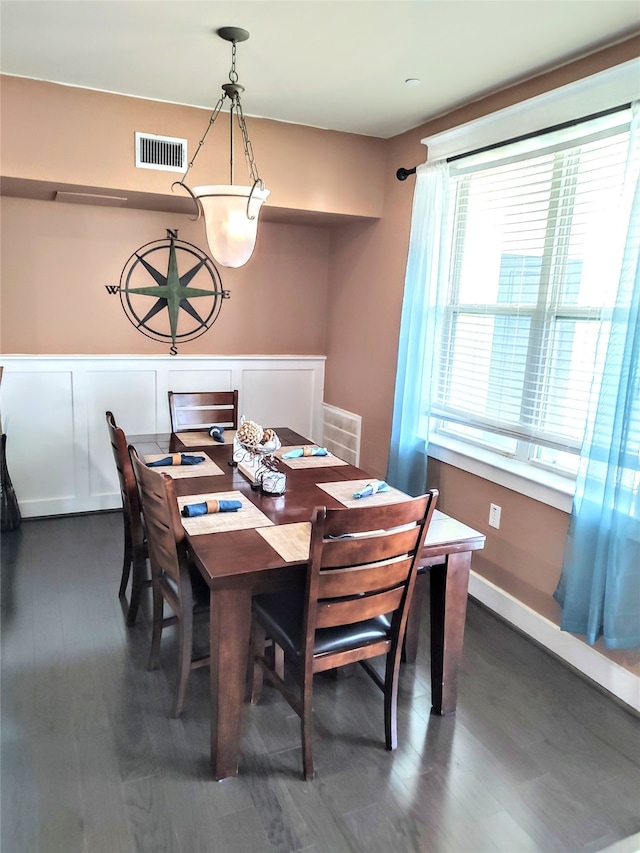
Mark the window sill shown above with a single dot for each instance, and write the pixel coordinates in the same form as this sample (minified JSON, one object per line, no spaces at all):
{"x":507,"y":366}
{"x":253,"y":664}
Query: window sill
{"x":536,"y":483}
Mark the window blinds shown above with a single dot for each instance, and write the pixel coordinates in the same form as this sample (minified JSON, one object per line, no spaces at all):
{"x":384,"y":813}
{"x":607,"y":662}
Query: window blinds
{"x":537,"y":236}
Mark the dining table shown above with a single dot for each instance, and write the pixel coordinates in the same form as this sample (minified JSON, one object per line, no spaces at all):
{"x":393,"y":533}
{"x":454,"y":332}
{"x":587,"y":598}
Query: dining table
{"x":261,"y":549}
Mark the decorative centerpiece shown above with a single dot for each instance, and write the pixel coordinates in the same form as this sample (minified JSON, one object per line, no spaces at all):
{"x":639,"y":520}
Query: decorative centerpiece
{"x":253,"y":452}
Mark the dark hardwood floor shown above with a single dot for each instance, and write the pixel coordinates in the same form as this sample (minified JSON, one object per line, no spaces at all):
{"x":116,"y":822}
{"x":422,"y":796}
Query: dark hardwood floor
{"x":536,"y":759}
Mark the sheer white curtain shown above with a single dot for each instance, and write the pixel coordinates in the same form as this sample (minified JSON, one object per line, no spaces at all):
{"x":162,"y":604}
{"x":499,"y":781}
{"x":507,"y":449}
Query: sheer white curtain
{"x":599,"y":589}
{"x":422,"y":311}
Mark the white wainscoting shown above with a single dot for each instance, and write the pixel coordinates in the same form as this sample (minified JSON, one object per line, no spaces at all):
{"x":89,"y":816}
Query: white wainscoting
{"x":53,"y":411}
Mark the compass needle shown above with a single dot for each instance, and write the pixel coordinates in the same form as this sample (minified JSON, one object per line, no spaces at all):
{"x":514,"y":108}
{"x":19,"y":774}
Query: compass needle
{"x":171,"y":292}
{"x":190,"y":274}
{"x":186,"y":306}
{"x":153,"y":272}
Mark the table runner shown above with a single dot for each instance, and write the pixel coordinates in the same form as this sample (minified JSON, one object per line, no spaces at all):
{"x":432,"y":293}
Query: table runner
{"x":246,"y":518}
{"x":291,"y":541}
{"x":329,"y":461}
{"x":343,"y":492}
{"x":199,"y":438}
{"x":208,"y":468}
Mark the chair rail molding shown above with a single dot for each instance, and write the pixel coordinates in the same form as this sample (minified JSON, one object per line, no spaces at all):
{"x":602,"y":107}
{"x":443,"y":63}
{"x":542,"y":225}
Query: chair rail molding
{"x":53,"y":413}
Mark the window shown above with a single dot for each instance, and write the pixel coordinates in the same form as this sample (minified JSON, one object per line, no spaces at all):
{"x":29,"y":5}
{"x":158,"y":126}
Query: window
{"x":536,"y":243}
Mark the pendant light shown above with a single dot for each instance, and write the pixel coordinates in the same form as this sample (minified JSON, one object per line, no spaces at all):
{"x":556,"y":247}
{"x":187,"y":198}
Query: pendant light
{"x":230,"y":211}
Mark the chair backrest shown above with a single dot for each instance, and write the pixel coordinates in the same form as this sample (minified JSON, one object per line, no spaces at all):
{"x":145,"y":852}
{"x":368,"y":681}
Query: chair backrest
{"x":165,"y":533}
{"x":200,"y":409}
{"x":128,"y":486}
{"x":363,"y":562}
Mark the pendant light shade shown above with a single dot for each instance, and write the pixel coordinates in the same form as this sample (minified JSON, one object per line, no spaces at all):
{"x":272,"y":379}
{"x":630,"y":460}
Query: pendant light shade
{"x":230,"y":211}
{"x":231,"y":220}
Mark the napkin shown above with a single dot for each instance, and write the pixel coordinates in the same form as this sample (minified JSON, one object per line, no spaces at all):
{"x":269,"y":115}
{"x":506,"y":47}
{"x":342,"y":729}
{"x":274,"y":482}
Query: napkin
{"x":208,"y":507}
{"x":307,"y":450}
{"x":176,"y":459}
{"x":216,"y":433}
{"x":371,"y":488}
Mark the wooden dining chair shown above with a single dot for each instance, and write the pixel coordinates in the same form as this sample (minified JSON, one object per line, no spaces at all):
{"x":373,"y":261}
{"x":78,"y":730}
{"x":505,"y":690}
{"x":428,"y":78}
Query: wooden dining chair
{"x":199,"y":410}
{"x":134,"y":561}
{"x":353,"y":606}
{"x":175,"y":580}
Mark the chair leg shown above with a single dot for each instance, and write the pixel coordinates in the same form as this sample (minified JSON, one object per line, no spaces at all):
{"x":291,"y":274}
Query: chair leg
{"x":391,"y":680}
{"x":156,"y":632}
{"x":185,"y":634}
{"x":127,"y":559}
{"x":306,"y":722}
{"x":138,"y":583}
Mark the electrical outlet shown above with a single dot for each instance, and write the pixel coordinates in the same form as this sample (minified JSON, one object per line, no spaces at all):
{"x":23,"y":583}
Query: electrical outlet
{"x":494,"y":515}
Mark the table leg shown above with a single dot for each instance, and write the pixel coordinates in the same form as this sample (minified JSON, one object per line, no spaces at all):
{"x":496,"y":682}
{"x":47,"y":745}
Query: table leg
{"x":230,"y":622}
{"x":449,"y":588}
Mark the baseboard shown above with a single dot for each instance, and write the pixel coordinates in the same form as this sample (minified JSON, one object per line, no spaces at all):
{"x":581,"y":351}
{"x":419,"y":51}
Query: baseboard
{"x":615,"y":679}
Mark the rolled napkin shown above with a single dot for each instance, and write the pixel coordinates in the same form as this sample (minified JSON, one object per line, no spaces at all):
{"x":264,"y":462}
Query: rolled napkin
{"x":371,"y":488}
{"x":307,"y":450}
{"x":176,"y":459}
{"x":209,"y":507}
{"x":216,"y":433}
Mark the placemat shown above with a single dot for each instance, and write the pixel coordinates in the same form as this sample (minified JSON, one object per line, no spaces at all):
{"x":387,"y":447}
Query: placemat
{"x":208,"y":468}
{"x":244,"y":519}
{"x":343,"y":492}
{"x":329,"y":461}
{"x":291,"y":541}
{"x":199,"y":438}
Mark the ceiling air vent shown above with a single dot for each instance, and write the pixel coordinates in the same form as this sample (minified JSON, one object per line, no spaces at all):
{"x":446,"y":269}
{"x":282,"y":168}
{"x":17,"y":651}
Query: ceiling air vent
{"x":166,"y":153}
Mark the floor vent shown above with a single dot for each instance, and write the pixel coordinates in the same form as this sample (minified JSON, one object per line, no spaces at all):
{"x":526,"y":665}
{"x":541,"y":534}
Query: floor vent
{"x":166,"y":153}
{"x":341,"y":433}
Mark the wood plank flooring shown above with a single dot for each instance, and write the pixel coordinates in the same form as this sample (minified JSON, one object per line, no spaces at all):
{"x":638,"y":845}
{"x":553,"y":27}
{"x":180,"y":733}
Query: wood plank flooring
{"x":536,"y":759}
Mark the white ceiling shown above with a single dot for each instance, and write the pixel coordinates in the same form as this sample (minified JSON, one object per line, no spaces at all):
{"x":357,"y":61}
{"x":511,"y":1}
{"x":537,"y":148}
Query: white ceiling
{"x":339,"y":64}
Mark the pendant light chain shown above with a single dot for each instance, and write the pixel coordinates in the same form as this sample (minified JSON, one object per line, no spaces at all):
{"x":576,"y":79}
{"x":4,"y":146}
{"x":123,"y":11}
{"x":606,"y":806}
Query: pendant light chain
{"x":214,"y":116}
{"x":233,"y":75}
{"x":248,"y":148}
{"x":235,"y":104}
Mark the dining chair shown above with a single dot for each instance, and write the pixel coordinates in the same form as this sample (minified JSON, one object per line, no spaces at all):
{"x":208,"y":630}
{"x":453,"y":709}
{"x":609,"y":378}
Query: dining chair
{"x":175,"y":580}
{"x":134,"y":561}
{"x":199,"y":410}
{"x":351,"y":608}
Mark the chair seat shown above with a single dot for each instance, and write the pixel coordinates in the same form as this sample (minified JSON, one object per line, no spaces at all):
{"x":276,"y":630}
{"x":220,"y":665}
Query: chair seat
{"x":282,"y":617}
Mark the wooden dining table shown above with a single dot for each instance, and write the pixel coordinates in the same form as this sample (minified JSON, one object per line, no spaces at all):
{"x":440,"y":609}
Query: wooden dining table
{"x":239,"y":563}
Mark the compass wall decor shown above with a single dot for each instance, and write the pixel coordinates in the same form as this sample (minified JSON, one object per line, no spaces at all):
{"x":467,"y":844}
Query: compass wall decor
{"x":171,"y":291}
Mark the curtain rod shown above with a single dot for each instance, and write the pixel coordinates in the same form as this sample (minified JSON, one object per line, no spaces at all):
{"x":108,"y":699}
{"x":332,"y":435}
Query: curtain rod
{"x":402,"y":174}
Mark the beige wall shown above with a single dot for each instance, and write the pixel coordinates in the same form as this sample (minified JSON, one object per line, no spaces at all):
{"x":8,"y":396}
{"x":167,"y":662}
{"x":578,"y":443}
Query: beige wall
{"x":57,"y":260}
{"x":327,"y":276}
{"x":61,"y":135}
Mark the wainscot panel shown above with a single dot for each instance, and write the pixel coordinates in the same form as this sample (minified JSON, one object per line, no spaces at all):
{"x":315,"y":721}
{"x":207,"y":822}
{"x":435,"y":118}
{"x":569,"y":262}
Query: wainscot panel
{"x":53,"y":410}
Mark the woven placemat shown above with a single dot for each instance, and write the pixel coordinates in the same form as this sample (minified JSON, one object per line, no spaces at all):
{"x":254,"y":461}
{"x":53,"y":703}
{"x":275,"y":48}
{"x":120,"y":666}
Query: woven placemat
{"x":208,"y":468}
{"x":343,"y":492}
{"x":246,"y":518}
{"x":199,"y":438}
{"x":291,"y":541}
{"x":329,"y":461}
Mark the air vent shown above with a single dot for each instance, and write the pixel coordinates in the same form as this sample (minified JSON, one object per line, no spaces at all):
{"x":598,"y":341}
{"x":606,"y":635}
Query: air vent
{"x":166,"y":153}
